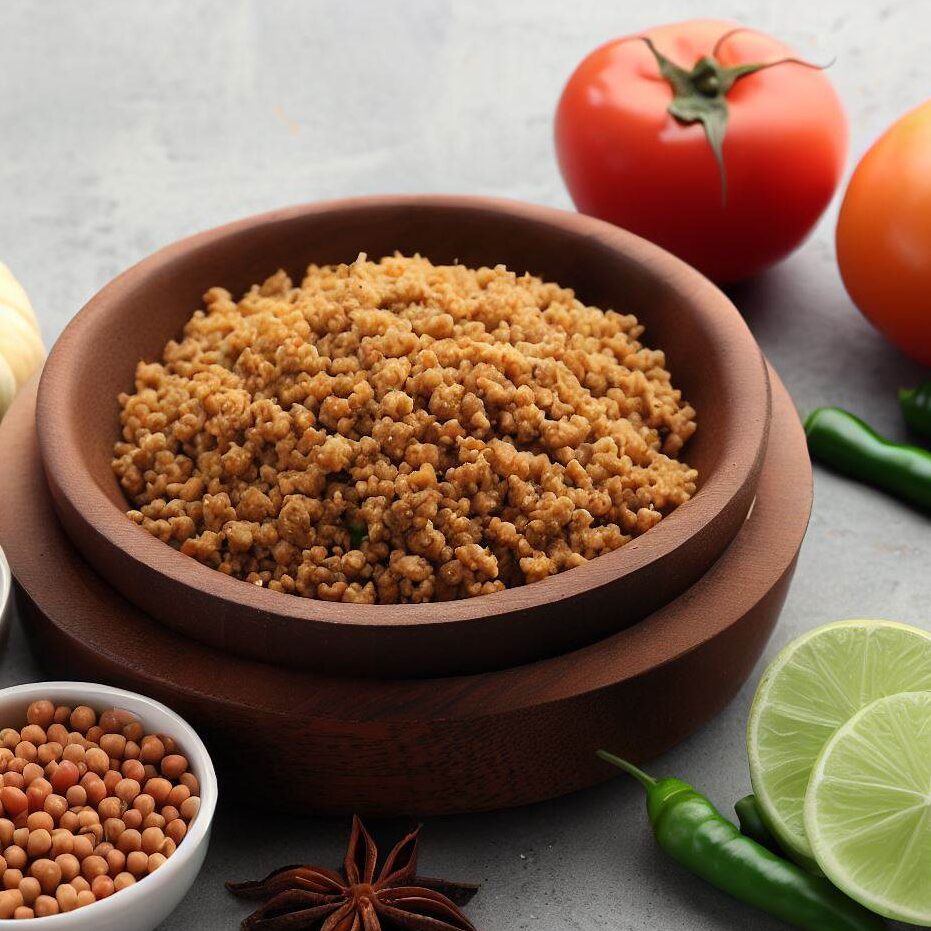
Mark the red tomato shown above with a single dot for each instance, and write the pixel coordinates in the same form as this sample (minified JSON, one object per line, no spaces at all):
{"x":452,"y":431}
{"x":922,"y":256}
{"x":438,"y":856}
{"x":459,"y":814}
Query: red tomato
{"x":626,"y":159}
{"x":884,"y":234}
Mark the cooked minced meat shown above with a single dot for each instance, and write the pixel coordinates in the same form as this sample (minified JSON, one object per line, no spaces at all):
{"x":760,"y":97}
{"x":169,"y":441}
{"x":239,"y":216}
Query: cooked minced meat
{"x":402,"y":432}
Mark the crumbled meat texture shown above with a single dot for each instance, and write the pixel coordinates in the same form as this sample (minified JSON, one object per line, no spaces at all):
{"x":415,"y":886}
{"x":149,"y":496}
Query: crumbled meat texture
{"x":402,"y":432}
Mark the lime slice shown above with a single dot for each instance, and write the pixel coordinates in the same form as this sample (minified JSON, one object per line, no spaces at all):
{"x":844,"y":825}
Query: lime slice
{"x":811,"y":688}
{"x":868,"y":807}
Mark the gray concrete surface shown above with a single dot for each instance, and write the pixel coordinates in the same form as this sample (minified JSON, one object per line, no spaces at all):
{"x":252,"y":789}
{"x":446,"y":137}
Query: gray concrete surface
{"x":125,"y":126}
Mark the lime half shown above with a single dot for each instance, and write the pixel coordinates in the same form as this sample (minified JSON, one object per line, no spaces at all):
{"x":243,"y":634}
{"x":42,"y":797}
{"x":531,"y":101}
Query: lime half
{"x":868,"y":807}
{"x":811,"y":688}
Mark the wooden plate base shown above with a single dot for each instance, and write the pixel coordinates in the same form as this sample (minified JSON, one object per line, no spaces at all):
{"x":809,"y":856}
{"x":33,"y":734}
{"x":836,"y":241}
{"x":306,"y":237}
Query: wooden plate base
{"x":468,"y":743}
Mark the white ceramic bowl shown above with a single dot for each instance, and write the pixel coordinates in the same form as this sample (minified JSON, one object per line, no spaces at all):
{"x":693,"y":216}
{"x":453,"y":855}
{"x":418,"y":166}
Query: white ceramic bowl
{"x":146,"y":904}
{"x":6,"y":598}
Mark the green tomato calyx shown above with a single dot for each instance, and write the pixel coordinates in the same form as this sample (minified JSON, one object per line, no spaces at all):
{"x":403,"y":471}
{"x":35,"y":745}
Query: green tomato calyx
{"x":700,"y":95}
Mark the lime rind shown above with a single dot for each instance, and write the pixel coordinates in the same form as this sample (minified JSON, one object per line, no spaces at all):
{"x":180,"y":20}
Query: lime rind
{"x":868,"y":807}
{"x":812,"y":687}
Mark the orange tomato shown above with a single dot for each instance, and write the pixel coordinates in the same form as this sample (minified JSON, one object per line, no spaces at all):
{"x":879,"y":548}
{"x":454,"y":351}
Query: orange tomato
{"x":884,"y":234}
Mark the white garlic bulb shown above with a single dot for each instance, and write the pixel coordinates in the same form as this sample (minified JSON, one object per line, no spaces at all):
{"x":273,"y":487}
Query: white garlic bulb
{"x":21,"y":348}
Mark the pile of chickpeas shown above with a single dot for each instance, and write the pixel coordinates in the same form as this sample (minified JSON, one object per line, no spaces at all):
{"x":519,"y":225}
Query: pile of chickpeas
{"x":88,"y":806}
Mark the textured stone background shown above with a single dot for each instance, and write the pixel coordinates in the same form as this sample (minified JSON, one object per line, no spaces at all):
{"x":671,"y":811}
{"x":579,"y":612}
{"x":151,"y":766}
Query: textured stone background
{"x":125,"y":126}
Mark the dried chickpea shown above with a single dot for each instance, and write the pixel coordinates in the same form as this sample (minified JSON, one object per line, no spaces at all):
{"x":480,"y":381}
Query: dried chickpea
{"x":133,"y":731}
{"x":159,"y":789}
{"x":190,"y":807}
{"x":30,"y":888}
{"x":103,"y":848}
{"x":169,"y":813}
{"x":173,"y":765}
{"x":168,"y":847}
{"x":12,"y":878}
{"x":24,"y":911}
{"x":132,"y":818}
{"x":41,"y":713}
{"x":26,"y":750}
{"x":69,"y":821}
{"x":76,"y":796}
{"x":155,"y":861}
{"x":94,"y":734}
{"x":95,"y":788}
{"x":131,"y":752}
{"x":137,"y":862}
{"x":97,"y":761}
{"x":13,"y":800}
{"x":65,"y":776}
{"x":154,"y":820}
{"x":80,"y":884}
{"x":86,"y":898}
{"x":39,"y":843}
{"x":62,"y":714}
{"x":48,"y":872}
{"x":114,"y":745}
{"x":176,"y":830}
{"x":83,"y":718}
{"x":73,"y":752}
{"x":45,"y":905}
{"x":67,"y":898}
{"x":14,"y":774}
{"x":93,"y":866}
{"x":152,"y":839}
{"x":69,"y":865}
{"x":111,"y":807}
{"x":123,"y":880}
{"x":49,"y":753}
{"x":40,"y":819}
{"x":102,"y":887}
{"x":62,"y":842}
{"x":20,"y":836}
{"x":6,"y":832}
{"x":178,"y":795}
{"x":87,"y":818}
{"x":116,"y":861}
{"x":113,"y":828}
{"x":151,"y":750}
{"x":144,"y":804}
{"x":55,"y":805}
{"x":9,"y":738}
{"x":129,"y":840}
{"x":127,"y":789}
{"x":57,"y":733}
{"x":6,"y":754}
{"x":83,"y":846}
{"x":15,"y":857}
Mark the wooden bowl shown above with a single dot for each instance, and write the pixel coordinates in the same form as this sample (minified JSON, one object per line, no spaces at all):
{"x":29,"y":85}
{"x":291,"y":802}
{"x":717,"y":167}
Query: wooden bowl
{"x":419,"y":746}
{"x":710,"y":352}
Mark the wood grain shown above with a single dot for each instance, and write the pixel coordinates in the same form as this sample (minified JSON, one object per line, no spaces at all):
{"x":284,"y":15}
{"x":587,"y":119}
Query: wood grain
{"x":709,"y":349}
{"x":466,"y":743}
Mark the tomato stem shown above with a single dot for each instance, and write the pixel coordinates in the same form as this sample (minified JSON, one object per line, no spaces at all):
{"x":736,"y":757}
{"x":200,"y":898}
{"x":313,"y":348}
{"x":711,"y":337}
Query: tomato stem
{"x":700,"y":95}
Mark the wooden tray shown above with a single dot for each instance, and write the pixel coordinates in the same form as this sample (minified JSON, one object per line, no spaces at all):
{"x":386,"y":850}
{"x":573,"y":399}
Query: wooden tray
{"x":486,"y":741}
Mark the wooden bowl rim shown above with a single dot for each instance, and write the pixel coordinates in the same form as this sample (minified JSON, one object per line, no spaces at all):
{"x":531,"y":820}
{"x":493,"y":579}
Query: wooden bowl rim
{"x":61,"y":451}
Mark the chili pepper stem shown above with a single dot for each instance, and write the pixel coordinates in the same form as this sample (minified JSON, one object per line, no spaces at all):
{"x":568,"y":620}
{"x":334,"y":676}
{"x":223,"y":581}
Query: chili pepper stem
{"x":646,"y":781}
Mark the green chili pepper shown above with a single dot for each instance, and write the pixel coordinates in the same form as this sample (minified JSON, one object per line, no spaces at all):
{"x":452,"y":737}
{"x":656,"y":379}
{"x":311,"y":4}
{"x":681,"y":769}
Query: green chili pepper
{"x":752,"y":824}
{"x":916,"y":406}
{"x":690,"y":829}
{"x":850,"y":446}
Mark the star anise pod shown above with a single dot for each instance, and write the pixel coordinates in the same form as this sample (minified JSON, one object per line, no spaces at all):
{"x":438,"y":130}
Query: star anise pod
{"x":313,"y":898}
